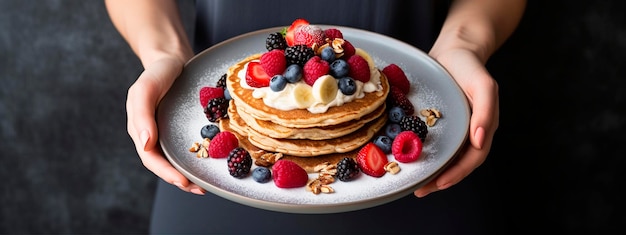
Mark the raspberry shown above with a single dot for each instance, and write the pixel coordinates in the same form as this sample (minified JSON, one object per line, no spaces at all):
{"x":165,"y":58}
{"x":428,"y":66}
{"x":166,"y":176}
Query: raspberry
{"x":406,"y":147}
{"x":315,"y":68}
{"x":398,"y":98}
{"x":216,"y":109}
{"x":221,"y":145}
{"x":414,"y":124}
{"x":239,"y":162}
{"x":397,"y":77}
{"x":308,"y":35}
{"x":332,"y":33}
{"x":288,"y":174}
{"x":359,"y":68}
{"x":348,"y":49}
{"x":273,"y":62}
{"x":208,"y":93}
{"x":347,"y":169}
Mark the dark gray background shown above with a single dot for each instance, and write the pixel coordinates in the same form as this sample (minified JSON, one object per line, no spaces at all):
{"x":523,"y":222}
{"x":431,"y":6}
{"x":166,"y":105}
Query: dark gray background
{"x":68,"y":165}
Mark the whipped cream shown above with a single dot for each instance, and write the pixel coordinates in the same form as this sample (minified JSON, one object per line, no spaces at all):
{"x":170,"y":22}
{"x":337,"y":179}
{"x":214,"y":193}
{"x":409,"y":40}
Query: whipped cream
{"x":283,"y":100}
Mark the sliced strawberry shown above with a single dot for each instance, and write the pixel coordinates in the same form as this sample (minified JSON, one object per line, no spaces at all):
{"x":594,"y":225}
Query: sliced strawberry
{"x":256,"y":76}
{"x":207,"y":93}
{"x":371,"y":160}
{"x":288,"y":174}
{"x":290,"y":31}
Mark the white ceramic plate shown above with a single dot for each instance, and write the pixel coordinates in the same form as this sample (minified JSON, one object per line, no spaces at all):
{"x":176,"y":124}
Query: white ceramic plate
{"x":180,"y":118}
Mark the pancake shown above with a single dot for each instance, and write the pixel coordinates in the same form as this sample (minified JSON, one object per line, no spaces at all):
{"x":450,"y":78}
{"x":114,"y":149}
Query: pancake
{"x":274,"y":130}
{"x":301,"y":118}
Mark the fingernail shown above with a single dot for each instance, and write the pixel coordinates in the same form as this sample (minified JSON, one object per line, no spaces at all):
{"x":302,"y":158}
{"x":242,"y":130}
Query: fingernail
{"x":178,"y":184}
{"x":144,"y":136}
{"x":197,"y":191}
{"x":479,"y":136}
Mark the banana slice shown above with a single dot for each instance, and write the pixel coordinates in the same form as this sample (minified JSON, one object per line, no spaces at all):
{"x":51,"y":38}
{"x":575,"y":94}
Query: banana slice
{"x":302,"y":95}
{"x":366,"y":56}
{"x":325,"y":89}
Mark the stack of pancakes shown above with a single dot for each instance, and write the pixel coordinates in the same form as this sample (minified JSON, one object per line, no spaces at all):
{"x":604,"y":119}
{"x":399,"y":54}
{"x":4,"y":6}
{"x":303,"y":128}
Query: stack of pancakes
{"x":338,"y":132}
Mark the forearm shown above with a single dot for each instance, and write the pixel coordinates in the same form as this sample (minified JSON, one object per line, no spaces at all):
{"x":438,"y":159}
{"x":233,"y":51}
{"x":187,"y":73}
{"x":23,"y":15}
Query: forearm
{"x":152,"y":28}
{"x":480,"y":26}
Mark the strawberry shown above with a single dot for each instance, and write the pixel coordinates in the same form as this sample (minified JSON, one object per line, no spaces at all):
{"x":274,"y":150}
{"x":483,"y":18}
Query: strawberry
{"x":332,"y":33}
{"x":289,"y":34}
{"x":397,"y":77}
{"x":359,"y":68}
{"x":288,"y":174}
{"x":315,"y":68}
{"x":398,"y":98}
{"x":273,"y":62}
{"x":222,"y":143}
{"x":256,"y":76}
{"x":372,"y":160}
{"x":207,"y":93}
{"x":309,"y":35}
{"x":406,"y":147}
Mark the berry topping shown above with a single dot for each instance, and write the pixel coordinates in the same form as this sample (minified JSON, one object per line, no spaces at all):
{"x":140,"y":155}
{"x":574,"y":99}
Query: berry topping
{"x":308,"y":35}
{"x":221,"y":145}
{"x":256,"y":76}
{"x":332,"y":33}
{"x":392,"y":130}
{"x":273,"y":62}
{"x":221,"y":82}
{"x":288,"y":174}
{"x":397,"y":78}
{"x":359,"y":68}
{"x":347,"y":85}
{"x":278,"y":83}
{"x":208,"y":93}
{"x":293,"y":73}
{"x":328,"y":54}
{"x":398,"y":98}
{"x":275,"y":41}
{"x":314,"y":68}
{"x":371,"y":160}
{"x":415,"y":124}
{"x":209,"y":131}
{"x":384,"y":143}
{"x":261,"y":174}
{"x":347,"y":169}
{"x":406,"y":147}
{"x":289,"y":33}
{"x":239,"y":162}
{"x":339,"y":68}
{"x":348,"y":49}
{"x":216,"y":109}
{"x":298,"y":54}
{"x":396,"y":114}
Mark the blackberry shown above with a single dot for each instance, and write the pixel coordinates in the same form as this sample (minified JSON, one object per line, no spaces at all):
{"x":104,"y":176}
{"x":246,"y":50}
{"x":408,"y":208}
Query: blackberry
{"x":298,"y":54}
{"x":347,"y":169}
{"x":239,"y":162}
{"x":415,"y":124}
{"x":275,"y":41}
{"x":216,"y":109}
{"x":221,"y":82}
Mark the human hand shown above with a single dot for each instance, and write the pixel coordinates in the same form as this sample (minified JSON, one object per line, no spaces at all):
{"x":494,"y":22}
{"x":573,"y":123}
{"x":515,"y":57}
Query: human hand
{"x":481,"y":91}
{"x":143,"y":97}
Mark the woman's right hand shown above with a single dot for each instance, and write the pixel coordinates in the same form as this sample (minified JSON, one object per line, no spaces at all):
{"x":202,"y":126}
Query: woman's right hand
{"x":142,"y":100}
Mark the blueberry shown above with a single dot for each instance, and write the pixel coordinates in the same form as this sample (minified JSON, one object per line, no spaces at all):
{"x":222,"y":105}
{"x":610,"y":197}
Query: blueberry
{"x":209,"y":131}
{"x":339,"y":68}
{"x":328,"y":54}
{"x":392,"y":130}
{"x":227,"y":95}
{"x":278,"y":83}
{"x":293,"y":73}
{"x":396,"y":114}
{"x":347,"y":85}
{"x":261,"y":174}
{"x":384,"y":143}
